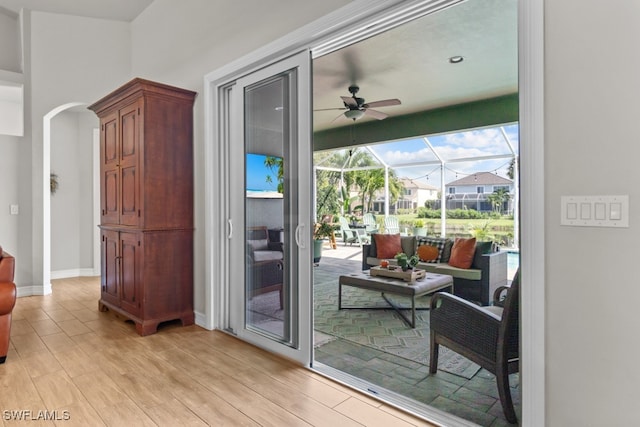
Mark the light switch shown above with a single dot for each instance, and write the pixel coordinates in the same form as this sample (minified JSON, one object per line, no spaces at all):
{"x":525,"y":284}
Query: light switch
{"x":615,"y":211}
{"x":585,"y":210}
{"x":14,"y":210}
{"x":594,"y":211}
{"x":600,"y":211}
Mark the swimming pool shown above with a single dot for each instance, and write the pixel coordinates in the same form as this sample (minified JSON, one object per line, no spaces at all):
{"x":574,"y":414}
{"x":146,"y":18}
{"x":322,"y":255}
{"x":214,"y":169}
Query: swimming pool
{"x":513,"y":262}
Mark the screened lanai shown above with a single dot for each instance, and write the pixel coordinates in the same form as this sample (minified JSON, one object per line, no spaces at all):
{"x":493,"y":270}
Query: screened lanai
{"x":460,"y":165}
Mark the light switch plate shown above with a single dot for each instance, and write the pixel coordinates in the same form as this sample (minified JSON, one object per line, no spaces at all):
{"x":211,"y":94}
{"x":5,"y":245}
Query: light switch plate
{"x":595,"y":211}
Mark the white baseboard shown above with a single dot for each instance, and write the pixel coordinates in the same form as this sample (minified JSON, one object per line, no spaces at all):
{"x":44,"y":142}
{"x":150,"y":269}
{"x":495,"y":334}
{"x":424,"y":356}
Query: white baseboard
{"x":76,"y":272}
{"x":27,"y":291}
{"x":201,"y":320}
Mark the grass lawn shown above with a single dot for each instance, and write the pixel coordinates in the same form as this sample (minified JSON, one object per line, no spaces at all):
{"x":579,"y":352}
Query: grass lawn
{"x":501,"y":229}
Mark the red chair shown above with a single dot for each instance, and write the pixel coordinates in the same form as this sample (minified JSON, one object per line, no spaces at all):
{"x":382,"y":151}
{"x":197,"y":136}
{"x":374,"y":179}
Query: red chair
{"x":7,"y":300}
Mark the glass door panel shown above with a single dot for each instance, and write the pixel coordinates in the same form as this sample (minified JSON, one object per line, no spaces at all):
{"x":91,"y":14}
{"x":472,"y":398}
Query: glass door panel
{"x":270,"y":190}
{"x":266,"y":135}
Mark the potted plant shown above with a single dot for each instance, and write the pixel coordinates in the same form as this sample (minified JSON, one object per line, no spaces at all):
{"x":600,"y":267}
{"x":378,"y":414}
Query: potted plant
{"x":418,"y":228}
{"x":406,"y":262}
{"x":322,"y":230}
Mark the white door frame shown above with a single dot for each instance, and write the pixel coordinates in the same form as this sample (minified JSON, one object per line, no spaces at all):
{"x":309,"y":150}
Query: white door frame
{"x":352,"y":18}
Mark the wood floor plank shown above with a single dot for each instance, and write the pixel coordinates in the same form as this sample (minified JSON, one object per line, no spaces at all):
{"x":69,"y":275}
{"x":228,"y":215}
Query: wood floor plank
{"x":369,"y":415}
{"x":99,"y":388}
{"x":57,"y":390}
{"x":174,"y":413}
{"x":302,"y":405}
{"x":42,"y":363}
{"x":125,"y":414}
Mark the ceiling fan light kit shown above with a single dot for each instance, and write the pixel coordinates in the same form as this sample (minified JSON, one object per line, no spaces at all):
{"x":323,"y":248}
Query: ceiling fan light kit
{"x":353,"y":114}
{"x":356,"y":107}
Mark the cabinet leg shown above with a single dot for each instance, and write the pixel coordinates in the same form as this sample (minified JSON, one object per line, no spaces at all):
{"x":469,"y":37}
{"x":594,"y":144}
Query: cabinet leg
{"x":102,"y":307}
{"x":188,"y":320}
{"x":145,"y":329}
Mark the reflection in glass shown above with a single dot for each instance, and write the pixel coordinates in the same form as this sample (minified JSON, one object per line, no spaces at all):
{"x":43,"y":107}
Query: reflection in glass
{"x":266,"y":279}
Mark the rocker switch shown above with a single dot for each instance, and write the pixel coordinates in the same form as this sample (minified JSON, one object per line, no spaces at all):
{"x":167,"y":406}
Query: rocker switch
{"x":595,"y":211}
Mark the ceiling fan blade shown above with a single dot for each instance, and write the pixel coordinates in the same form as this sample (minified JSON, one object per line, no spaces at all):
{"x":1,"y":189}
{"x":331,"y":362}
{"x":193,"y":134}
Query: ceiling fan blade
{"x":337,"y":118}
{"x":376,"y":114}
{"x":383,"y":103}
{"x":330,"y":109}
{"x":349,"y":100}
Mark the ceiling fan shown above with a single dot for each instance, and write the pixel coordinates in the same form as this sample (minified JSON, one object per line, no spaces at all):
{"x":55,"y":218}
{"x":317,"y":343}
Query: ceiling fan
{"x":357,"y":107}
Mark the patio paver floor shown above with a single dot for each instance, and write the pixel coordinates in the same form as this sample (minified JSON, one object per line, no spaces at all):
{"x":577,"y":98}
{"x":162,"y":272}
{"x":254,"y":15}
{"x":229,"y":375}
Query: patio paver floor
{"x":475,"y":399}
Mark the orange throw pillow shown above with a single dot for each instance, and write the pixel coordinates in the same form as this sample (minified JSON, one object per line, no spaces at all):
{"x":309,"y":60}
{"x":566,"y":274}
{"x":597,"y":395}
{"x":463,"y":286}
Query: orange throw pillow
{"x":387,"y":245}
{"x":427,"y":252}
{"x":462,"y":252}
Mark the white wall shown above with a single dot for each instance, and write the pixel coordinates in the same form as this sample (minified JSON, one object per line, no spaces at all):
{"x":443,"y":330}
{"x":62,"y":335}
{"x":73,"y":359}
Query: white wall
{"x":9,"y":44}
{"x":67,"y":59}
{"x":72,"y":205}
{"x":591,"y":143}
{"x":8,"y":192}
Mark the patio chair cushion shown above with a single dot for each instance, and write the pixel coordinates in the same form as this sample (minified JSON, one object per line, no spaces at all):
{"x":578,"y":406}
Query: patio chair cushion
{"x":260,"y":256}
{"x":462,"y":252}
{"x":259,"y":245}
{"x":459,"y":273}
{"x":387,"y":245}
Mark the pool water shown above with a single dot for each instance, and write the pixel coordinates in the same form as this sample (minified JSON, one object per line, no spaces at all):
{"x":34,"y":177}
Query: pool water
{"x":513,"y":262}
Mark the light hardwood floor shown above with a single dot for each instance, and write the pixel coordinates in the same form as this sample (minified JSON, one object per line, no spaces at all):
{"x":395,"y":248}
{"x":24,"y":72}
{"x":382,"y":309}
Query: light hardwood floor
{"x":68,"y":360}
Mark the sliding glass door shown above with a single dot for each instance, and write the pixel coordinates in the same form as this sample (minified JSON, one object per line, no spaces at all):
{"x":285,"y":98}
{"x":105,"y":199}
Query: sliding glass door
{"x":269,"y":198}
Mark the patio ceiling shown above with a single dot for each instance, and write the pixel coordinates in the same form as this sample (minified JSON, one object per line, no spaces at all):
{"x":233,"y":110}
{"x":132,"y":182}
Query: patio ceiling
{"x":411,"y":63}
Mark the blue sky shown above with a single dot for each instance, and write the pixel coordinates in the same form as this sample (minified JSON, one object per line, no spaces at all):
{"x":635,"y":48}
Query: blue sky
{"x":450,"y":147}
{"x":257,"y":173}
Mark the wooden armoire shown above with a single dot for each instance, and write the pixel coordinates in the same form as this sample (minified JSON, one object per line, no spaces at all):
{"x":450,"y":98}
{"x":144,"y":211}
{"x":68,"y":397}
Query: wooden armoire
{"x":146,"y":202}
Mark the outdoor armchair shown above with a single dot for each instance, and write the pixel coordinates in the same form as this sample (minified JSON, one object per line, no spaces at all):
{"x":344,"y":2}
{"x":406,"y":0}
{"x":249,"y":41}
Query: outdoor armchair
{"x":370,"y":223}
{"x":349,"y":235}
{"x":488,"y":336}
{"x":392,"y":225}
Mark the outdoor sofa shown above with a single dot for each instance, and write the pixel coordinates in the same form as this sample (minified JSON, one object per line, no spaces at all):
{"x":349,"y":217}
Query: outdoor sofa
{"x":488,"y":270}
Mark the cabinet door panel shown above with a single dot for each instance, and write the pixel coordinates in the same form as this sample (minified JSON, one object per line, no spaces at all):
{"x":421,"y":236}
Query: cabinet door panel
{"x":109,"y":279}
{"x":110,"y":135}
{"x":129,"y":123}
{"x":129,"y":252}
{"x":129,"y":215}
{"x":109,"y":166}
{"x":109,"y":196}
{"x":129,"y":163}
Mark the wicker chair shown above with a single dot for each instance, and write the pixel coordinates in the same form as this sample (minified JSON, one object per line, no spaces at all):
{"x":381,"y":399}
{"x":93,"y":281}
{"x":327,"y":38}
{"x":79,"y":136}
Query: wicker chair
{"x":488,"y":336}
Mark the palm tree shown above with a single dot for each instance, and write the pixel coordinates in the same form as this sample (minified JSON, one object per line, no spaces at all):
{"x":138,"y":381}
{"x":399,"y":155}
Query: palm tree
{"x":498,"y":198}
{"x":276,"y":164}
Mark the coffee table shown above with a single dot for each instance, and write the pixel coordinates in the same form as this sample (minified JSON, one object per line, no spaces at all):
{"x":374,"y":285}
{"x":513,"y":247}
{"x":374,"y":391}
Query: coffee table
{"x":431,"y":283}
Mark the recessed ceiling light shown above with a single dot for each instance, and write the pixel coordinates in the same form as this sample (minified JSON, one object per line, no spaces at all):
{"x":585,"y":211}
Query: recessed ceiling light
{"x":456,"y":59}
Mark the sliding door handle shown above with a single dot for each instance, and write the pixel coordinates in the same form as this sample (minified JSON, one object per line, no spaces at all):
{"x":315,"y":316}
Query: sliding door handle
{"x":230,"y":229}
{"x":298,"y":233}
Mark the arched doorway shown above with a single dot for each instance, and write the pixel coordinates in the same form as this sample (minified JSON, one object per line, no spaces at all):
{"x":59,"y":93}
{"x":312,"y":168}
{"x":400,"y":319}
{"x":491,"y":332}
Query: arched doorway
{"x":91,"y":133}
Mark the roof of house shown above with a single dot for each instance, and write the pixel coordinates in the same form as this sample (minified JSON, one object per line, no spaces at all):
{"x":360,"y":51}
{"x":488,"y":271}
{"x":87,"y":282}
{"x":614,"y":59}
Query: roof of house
{"x":480,"y":178}
{"x":410,"y":183}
